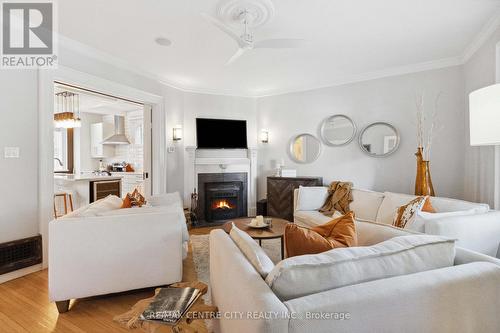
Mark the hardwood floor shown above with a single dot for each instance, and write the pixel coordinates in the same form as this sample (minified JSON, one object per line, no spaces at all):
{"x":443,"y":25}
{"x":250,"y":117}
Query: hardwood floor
{"x":25,"y":307}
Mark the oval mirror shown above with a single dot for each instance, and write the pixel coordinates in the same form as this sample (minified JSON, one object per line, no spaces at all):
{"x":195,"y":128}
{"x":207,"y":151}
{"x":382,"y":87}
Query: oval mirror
{"x":379,"y":139}
{"x":338,"y":130}
{"x":305,"y":148}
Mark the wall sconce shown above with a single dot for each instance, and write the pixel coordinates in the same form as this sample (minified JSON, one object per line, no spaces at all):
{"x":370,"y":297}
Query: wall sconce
{"x":177,"y":133}
{"x":264,"y":136}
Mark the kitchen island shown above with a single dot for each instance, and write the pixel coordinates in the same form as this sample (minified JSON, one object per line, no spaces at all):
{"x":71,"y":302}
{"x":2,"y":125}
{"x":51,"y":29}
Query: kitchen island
{"x":87,"y":187}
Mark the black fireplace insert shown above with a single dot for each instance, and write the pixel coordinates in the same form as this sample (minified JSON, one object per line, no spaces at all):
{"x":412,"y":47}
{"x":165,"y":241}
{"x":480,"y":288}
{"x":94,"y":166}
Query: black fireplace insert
{"x":222,"y":196}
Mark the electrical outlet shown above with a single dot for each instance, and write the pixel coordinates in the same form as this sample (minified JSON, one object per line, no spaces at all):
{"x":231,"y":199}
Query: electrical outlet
{"x":171,"y":149}
{"x":11,"y":152}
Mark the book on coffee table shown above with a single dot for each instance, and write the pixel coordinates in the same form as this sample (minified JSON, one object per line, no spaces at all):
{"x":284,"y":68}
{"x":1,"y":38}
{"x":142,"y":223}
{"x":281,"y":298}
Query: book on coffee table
{"x":170,"y":304}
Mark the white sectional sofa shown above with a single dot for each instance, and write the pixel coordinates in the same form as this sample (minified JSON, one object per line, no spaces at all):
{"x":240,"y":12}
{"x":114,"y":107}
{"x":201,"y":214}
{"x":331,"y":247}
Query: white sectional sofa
{"x":462,"y":297}
{"x":474,"y":225}
{"x":100,"y":249}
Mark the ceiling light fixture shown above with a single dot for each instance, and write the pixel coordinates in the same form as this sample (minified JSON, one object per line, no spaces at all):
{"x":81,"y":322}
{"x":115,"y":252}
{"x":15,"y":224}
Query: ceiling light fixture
{"x":163,"y":41}
{"x":67,"y":113}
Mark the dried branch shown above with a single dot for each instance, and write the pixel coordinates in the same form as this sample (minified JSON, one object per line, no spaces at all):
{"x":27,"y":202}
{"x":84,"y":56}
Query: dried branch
{"x":424,"y":138}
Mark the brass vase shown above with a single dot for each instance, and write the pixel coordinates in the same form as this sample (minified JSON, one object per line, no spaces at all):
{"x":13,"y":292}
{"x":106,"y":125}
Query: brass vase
{"x":423,"y":180}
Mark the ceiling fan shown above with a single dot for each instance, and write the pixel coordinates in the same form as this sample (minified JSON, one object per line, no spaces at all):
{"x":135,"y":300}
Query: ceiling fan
{"x":246,"y":40}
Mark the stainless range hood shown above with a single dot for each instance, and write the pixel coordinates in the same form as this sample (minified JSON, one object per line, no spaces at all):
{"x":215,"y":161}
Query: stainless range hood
{"x":119,"y":137}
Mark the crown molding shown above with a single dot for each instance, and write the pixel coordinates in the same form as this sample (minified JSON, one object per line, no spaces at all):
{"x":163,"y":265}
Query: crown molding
{"x":374,"y":75}
{"x":484,"y":34}
{"x":481,"y":37}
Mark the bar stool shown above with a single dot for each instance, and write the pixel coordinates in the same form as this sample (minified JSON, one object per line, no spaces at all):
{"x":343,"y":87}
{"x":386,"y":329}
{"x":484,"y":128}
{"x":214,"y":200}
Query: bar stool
{"x":66,"y":196}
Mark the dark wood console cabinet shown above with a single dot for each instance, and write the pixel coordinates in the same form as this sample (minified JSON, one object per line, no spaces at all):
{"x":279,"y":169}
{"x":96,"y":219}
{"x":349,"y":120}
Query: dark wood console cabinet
{"x":280,"y":194}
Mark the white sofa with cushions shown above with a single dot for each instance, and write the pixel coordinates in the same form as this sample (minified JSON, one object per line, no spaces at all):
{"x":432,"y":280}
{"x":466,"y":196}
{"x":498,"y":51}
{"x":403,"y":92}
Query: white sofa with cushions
{"x":436,"y":289}
{"x":474,"y":225}
{"x":101,"y":249}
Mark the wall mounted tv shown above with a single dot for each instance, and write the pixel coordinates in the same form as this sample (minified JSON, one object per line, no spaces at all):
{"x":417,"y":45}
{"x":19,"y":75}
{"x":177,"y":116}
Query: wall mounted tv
{"x":221,"y":134}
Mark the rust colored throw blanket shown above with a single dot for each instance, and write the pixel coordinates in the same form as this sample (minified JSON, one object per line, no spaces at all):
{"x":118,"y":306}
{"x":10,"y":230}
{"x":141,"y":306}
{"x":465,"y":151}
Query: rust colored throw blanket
{"x":339,"y":198}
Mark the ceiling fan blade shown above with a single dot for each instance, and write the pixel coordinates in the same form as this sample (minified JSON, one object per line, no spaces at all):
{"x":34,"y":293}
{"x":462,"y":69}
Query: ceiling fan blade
{"x":283,"y":43}
{"x":222,"y":27}
{"x":235,"y":56}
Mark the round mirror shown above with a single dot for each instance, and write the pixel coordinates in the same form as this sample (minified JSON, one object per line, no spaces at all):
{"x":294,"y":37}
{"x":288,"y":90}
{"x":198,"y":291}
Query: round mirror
{"x":305,"y":148}
{"x":338,"y":130}
{"x":379,"y":139}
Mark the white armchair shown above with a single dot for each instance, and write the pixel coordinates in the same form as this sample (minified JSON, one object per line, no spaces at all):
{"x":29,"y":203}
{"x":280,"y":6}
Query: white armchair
{"x":99,"y":255}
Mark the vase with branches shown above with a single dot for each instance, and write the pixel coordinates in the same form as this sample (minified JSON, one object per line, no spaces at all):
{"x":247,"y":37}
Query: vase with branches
{"x":426,"y":128}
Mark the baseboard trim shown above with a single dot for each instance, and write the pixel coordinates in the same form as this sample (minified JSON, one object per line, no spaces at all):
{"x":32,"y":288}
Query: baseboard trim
{"x":20,"y":273}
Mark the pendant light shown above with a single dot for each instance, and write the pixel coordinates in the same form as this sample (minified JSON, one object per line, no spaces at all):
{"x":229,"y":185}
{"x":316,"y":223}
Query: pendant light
{"x":67,"y":113}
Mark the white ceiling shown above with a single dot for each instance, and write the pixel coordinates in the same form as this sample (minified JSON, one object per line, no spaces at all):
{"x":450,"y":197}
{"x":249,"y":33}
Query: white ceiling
{"x":349,"y":40}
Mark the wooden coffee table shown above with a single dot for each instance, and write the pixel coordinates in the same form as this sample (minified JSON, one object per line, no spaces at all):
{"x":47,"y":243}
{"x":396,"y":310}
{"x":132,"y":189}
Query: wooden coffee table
{"x":276,"y":231}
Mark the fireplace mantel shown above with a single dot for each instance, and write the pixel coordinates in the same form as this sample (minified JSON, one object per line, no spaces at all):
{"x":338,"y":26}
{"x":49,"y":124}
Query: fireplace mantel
{"x":198,"y":161}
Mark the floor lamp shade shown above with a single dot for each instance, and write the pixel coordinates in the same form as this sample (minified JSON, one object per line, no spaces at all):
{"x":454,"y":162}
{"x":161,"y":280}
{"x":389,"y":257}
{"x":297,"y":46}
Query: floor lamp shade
{"x":484,"y":116}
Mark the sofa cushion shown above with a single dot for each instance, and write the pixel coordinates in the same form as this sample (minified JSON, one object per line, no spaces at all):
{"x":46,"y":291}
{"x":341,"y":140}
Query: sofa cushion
{"x":312,"y":218}
{"x":309,"y":274}
{"x":133,"y":211}
{"x":392,"y":201}
{"x":371,"y":233}
{"x":339,"y":232}
{"x":252,"y":251}
{"x":311,"y":197}
{"x":111,"y":202}
{"x":165,"y":199}
{"x":390,"y":204}
{"x":366,"y":203}
{"x":421,"y":218}
{"x":443,"y":205}
{"x":152,"y":210}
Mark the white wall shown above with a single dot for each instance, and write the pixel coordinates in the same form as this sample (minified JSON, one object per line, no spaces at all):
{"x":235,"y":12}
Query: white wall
{"x":19,"y":177}
{"x":174,"y":106}
{"x":479,"y":72}
{"x":223,"y":107}
{"x":389,"y":99}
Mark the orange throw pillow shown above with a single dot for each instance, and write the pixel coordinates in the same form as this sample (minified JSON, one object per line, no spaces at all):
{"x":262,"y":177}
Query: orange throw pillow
{"x":133,"y":199}
{"x":337,"y":233}
{"x":127,"y":203}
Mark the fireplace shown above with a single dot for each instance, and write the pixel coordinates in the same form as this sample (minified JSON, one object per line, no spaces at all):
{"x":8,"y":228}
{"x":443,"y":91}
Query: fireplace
{"x":224,"y":201}
{"x":222,"y":196}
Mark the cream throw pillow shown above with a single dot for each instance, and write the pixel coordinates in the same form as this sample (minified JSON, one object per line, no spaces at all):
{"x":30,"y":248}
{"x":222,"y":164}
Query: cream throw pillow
{"x":311,"y":197}
{"x":252,"y":251}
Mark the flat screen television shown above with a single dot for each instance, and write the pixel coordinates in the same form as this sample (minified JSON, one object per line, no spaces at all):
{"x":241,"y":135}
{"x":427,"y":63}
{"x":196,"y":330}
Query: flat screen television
{"x":221,"y":133}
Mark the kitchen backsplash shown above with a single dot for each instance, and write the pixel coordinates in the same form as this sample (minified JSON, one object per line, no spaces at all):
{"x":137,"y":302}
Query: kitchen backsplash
{"x":134,"y":152}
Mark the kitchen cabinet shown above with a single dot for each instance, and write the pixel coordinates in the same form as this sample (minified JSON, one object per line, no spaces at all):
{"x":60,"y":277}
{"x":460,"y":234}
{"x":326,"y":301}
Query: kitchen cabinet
{"x":98,"y":132}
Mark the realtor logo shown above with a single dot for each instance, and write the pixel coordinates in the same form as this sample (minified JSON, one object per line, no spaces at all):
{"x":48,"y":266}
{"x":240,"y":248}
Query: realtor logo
{"x":28,"y":35}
